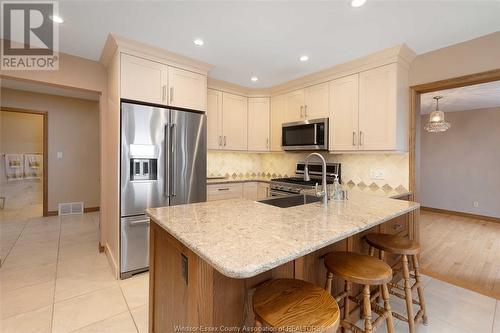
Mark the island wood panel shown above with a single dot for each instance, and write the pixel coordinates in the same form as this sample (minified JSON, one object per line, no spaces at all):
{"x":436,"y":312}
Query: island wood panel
{"x":211,"y":299}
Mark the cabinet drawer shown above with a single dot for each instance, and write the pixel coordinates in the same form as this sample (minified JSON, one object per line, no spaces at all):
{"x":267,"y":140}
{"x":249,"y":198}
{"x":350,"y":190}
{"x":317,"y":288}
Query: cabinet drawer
{"x":224,"y":191}
{"x":397,"y":226}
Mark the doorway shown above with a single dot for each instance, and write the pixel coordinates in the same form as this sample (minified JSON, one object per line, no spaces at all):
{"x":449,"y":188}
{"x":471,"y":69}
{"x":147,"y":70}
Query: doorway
{"x":24,"y":147}
{"x":459,"y":230}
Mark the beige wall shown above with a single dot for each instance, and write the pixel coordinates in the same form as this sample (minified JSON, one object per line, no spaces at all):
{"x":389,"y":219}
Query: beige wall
{"x":21,"y":133}
{"x":74,"y":131}
{"x":470,"y":57}
{"x":462,"y":165}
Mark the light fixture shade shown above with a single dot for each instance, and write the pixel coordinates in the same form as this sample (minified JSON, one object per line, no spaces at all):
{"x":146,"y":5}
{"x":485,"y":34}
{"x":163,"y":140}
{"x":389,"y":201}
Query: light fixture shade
{"x":436,"y":120}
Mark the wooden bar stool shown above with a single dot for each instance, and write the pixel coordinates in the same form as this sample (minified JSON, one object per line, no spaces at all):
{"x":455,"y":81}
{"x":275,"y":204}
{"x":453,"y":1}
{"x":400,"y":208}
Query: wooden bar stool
{"x":295,"y":306}
{"x":366,"y":271}
{"x":404,"y":247}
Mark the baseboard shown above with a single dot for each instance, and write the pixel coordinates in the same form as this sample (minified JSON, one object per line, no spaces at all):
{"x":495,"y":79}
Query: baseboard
{"x":112,"y":261}
{"x":85,"y":210}
{"x":91,"y":209}
{"x":452,"y":212}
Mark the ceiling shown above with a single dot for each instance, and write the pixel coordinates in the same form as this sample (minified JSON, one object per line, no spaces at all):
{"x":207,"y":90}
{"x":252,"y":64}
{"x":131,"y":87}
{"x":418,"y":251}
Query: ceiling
{"x":50,"y":90}
{"x":266,"y":38}
{"x":478,"y":96}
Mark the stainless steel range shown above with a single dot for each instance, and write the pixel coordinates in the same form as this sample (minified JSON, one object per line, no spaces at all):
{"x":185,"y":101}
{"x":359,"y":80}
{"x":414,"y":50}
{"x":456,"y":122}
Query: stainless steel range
{"x":293,"y":185}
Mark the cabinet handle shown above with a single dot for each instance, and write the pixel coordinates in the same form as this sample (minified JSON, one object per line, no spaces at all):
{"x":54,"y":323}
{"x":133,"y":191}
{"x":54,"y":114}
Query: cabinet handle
{"x":223,"y":189}
{"x":171,"y":94}
{"x":396,"y":226}
{"x":361,"y":138}
{"x":353,"y":138}
{"x":267,"y":143}
{"x":164,"y":93}
{"x":301,"y":111}
{"x":220,"y":140}
{"x":225,"y":141}
{"x":305,"y":111}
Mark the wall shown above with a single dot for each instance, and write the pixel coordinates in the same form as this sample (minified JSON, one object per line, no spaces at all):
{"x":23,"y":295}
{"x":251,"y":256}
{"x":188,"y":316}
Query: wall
{"x":355,"y":167}
{"x":462,"y":165}
{"x":20,"y":133}
{"x":74,"y":131}
{"x":470,"y":57}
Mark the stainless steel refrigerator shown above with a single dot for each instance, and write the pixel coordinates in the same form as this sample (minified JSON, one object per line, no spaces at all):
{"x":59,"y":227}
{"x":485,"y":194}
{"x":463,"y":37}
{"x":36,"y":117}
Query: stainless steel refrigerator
{"x":163,"y":163}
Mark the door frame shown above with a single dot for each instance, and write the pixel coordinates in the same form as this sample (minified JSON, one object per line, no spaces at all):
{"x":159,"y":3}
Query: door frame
{"x":417,"y":90}
{"x":45,"y":177}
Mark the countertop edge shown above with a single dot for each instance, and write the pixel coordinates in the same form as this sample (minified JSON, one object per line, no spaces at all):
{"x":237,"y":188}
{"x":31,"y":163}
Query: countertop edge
{"x":280,"y":261}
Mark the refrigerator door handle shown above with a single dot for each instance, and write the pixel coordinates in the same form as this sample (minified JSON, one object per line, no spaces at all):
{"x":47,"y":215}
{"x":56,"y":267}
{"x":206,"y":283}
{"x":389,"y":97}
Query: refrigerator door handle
{"x":166,"y":179}
{"x":173,"y":159}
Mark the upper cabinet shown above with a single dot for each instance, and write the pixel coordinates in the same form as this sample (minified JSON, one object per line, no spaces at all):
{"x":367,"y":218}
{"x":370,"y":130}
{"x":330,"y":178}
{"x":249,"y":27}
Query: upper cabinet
{"x":234,"y":122}
{"x":316,"y":101}
{"x":307,"y":103}
{"x":150,"y":81}
{"x":258,"y":123}
{"x":143,"y":80}
{"x":277,"y":120}
{"x":369,"y":110}
{"x":344,"y":130}
{"x":383,"y":108}
{"x":214,"y":119}
{"x":187,"y":89}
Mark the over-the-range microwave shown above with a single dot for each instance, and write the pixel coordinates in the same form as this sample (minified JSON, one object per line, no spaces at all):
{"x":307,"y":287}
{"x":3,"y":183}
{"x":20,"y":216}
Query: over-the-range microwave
{"x":305,"y":135}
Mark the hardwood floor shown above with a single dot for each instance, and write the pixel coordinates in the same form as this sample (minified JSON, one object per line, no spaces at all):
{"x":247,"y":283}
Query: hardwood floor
{"x":461,"y":251}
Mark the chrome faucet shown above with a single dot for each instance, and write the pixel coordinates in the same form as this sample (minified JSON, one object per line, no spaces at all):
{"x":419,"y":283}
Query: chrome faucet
{"x":307,"y":178}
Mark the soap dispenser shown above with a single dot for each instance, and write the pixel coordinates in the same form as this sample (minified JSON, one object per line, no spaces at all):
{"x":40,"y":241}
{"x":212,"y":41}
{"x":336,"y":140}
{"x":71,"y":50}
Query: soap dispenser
{"x":339,"y":193}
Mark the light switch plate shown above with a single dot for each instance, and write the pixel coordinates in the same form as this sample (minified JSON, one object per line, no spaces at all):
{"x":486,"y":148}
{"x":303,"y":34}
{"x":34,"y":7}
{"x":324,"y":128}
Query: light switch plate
{"x":376,"y":174}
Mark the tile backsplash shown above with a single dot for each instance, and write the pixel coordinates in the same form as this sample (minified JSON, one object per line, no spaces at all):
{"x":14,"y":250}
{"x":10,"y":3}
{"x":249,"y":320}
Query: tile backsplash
{"x":357,"y":169}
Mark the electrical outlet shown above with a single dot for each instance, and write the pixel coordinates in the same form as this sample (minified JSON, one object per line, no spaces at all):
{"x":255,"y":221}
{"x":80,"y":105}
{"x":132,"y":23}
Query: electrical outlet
{"x":376,"y":174}
{"x":59,"y":155}
{"x":476,"y":204}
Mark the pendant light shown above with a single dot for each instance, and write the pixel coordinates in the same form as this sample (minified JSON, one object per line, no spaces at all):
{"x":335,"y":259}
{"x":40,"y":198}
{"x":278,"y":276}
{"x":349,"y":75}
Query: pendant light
{"x":436,"y":119}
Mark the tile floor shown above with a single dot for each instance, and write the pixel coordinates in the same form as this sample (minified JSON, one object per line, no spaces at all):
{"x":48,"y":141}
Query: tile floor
{"x":53,"y":279}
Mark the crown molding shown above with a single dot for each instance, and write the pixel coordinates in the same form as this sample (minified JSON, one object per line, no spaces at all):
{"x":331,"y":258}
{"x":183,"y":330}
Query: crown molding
{"x":237,"y":89}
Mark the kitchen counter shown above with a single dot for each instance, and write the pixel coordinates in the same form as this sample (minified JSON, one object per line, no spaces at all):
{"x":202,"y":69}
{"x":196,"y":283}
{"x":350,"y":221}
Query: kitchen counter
{"x":211,"y":181}
{"x":223,"y":232}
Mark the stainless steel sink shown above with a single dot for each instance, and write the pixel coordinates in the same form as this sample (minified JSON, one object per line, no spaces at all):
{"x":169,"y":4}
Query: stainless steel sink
{"x":291,"y":201}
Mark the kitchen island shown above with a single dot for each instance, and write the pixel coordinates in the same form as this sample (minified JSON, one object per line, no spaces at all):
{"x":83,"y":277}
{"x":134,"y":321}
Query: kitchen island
{"x":207,"y":258}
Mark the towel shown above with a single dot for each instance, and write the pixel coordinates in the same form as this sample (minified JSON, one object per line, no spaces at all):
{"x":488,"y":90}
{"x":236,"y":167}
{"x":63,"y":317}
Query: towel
{"x":14,"y":166}
{"x":32,"y":166}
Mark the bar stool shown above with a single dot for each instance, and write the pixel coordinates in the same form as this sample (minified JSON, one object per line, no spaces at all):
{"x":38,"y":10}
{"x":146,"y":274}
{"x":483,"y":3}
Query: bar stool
{"x":295,"y":306}
{"x":403,"y":247}
{"x":366,"y":271}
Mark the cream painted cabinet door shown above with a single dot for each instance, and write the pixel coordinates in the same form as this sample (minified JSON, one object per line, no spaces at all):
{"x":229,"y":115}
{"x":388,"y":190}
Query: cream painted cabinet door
{"x":262,"y":191}
{"x":277,"y":119}
{"x":143,"y":80}
{"x":234,"y":121}
{"x":316,"y":101}
{"x":344,"y":114}
{"x":378,"y":108}
{"x":214,"y":119}
{"x":294,"y":106}
{"x":250,"y":191}
{"x":187,"y":89}
{"x":258,"y":123}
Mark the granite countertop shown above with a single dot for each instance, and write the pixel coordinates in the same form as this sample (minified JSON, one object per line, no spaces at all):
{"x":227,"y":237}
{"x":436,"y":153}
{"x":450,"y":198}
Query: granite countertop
{"x":243,"y":238}
{"x":228,"y":180}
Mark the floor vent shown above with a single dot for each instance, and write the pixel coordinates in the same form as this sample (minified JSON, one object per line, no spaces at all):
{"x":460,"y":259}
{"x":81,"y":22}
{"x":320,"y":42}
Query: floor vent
{"x":69,"y":208}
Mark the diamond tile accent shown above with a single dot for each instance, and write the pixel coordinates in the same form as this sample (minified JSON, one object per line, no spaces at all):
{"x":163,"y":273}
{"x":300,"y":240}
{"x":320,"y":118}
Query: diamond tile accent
{"x":374,"y":186}
{"x":387,"y":187}
{"x":362,"y":185}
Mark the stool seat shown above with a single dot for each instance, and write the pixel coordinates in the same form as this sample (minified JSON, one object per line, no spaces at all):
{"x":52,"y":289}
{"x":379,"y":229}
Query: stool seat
{"x":290,"y":303}
{"x":358,"y":268}
{"x":393,"y":244}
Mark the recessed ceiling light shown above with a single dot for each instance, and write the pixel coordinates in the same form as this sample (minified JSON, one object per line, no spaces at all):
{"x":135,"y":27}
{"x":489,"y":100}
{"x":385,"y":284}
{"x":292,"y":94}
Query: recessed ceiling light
{"x":254,"y":79}
{"x":56,"y":19}
{"x":304,"y":58}
{"x":358,"y":3}
{"x":198,"y":42}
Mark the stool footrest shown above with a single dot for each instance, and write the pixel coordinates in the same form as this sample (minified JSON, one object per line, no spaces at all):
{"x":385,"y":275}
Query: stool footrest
{"x":351,"y":327}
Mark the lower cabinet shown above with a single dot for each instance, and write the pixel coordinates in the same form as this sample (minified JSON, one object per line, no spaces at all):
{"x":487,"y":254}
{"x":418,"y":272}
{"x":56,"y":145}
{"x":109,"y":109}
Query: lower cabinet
{"x":245,"y":190}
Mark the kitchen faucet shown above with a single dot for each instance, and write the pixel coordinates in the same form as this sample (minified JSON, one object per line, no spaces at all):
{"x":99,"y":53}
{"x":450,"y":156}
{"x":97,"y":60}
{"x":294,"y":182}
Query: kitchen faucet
{"x":307,"y":178}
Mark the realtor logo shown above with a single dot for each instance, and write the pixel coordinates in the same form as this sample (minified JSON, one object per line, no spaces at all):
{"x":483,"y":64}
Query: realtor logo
{"x":29,"y":36}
